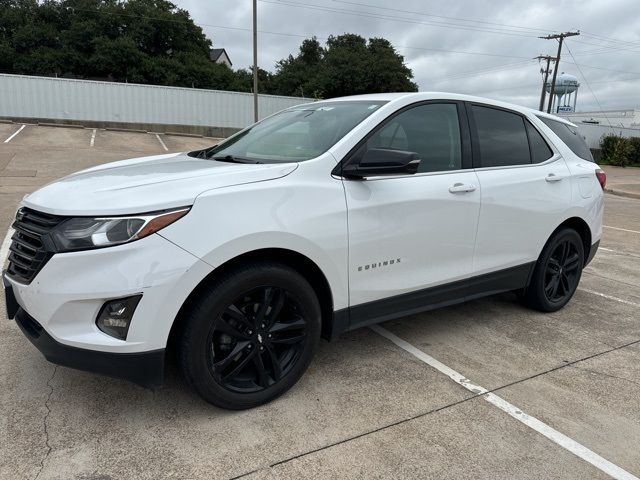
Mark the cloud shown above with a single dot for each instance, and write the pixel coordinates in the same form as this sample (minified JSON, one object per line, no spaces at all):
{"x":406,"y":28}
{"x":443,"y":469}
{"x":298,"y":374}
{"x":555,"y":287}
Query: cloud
{"x":501,"y":38}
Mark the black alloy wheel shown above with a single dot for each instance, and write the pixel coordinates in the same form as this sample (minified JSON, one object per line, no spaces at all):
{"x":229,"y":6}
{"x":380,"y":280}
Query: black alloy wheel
{"x":250,"y":335}
{"x":257,"y":339}
{"x":557,"y":272}
{"x":563,"y":271}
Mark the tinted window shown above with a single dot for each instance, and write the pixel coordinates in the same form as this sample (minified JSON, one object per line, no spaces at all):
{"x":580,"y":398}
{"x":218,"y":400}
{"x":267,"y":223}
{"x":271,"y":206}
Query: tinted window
{"x":502,"y":137}
{"x":432,"y":131}
{"x":570,"y":136}
{"x":296,"y":134}
{"x":540,"y":151}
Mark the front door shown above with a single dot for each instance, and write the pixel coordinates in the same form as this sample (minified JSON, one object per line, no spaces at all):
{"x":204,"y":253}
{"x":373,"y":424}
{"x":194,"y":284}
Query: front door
{"x":408,"y":233}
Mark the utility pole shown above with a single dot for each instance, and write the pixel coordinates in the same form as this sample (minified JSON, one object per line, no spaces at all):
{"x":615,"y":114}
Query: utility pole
{"x":560,"y":37}
{"x":546,"y":73}
{"x":255,"y":60}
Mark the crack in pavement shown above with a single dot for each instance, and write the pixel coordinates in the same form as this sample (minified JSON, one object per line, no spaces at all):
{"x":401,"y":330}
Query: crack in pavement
{"x":45,"y":424}
{"x":596,"y":372}
{"x":435,"y":410}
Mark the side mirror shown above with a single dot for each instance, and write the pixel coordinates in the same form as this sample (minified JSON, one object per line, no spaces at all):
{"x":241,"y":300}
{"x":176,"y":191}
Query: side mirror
{"x":378,"y":162}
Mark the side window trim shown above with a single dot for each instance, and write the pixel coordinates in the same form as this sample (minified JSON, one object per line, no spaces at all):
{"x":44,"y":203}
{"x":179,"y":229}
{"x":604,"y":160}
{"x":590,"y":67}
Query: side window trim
{"x":526,"y":130}
{"x":528,"y":122}
{"x":465,"y":140}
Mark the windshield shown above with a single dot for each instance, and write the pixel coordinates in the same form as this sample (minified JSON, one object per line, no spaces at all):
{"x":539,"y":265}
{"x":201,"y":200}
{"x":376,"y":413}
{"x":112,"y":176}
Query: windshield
{"x":296,"y":134}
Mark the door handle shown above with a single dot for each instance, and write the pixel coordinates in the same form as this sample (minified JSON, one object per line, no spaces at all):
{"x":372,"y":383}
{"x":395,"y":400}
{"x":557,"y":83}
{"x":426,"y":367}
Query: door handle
{"x":461,"y":188}
{"x":552,"y":178}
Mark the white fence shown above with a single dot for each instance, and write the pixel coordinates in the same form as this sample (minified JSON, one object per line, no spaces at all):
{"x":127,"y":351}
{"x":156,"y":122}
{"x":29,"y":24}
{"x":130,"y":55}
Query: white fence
{"x":593,"y":133}
{"x":24,"y":96}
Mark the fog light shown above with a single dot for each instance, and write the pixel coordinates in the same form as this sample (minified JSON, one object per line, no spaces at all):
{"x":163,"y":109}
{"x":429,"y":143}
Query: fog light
{"x":115,"y":316}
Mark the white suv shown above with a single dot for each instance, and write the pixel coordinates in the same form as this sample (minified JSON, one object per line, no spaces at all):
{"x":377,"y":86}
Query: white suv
{"x":320,"y":219}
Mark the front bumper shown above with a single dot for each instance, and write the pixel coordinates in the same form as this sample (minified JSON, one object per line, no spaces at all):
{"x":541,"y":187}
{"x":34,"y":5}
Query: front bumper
{"x":67,"y":295}
{"x":146,"y":368}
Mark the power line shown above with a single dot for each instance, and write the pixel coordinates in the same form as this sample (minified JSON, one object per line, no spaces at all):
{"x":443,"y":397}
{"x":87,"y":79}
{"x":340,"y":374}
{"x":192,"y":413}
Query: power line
{"x":635,"y":43}
{"x":439,"y":16}
{"x":609,"y":47}
{"x":589,"y":87}
{"x":393,"y":18}
{"x":531,"y":85}
{"x":483,"y":71}
{"x":602,"y":68}
{"x":458,"y":51}
{"x":288,"y":34}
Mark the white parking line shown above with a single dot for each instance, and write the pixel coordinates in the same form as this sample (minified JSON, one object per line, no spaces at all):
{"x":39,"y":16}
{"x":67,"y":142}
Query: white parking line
{"x":552,"y":434}
{"x":610,"y":297}
{"x":621,"y":229}
{"x":93,"y":138}
{"x":617,"y":252}
{"x":14,"y":134}
{"x":4,"y":249}
{"x":162,"y":143}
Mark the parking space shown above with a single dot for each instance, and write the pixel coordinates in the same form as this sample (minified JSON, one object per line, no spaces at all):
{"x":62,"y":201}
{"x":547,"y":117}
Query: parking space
{"x":51,"y":137}
{"x":366,"y":408}
{"x":181,"y":143}
{"x":133,"y":142}
{"x":7,"y":129}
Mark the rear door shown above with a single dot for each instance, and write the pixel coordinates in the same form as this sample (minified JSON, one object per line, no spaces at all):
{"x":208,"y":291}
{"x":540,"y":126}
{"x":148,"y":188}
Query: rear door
{"x":410,"y":232}
{"x":525,"y":187}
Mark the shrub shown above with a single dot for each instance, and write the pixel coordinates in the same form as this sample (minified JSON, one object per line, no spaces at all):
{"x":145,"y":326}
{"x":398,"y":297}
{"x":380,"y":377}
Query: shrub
{"x":607,"y":146}
{"x":634,"y":158}
{"x":620,"y":151}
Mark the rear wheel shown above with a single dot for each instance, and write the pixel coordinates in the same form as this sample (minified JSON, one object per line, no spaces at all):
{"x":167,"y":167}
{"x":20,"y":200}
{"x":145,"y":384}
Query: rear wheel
{"x":557,"y":272}
{"x":251,"y":336}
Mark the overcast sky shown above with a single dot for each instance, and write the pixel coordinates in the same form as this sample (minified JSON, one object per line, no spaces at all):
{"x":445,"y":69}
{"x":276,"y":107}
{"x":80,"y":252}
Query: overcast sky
{"x":500,"y":38}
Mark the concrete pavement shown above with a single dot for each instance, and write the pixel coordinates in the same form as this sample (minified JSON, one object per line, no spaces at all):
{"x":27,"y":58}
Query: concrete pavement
{"x":624,"y":182}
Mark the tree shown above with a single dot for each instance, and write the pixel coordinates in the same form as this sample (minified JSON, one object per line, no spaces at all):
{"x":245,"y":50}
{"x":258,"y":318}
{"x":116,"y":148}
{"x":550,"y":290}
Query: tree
{"x":145,"y":41}
{"x":299,"y":76}
{"x":348,"y":65}
{"x":387,"y":71}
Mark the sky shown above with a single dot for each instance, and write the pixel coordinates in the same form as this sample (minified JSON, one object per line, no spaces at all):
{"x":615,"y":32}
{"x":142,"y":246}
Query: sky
{"x":478,"y":47}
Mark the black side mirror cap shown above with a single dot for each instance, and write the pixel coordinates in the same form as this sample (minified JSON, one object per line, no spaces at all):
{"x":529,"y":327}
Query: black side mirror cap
{"x":378,"y":162}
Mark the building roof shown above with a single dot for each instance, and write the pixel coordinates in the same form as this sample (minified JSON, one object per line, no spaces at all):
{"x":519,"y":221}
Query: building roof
{"x":216,"y":53}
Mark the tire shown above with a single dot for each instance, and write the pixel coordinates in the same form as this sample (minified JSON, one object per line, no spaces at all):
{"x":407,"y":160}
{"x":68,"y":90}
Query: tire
{"x":250,"y":336}
{"x":557,"y":272}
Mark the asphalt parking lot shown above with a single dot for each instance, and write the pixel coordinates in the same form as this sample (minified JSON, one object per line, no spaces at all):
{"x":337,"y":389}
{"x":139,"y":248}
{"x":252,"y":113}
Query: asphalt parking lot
{"x":367,"y":407}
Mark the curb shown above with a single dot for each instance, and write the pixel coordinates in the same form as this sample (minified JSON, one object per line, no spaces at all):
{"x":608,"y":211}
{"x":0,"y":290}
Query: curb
{"x":59,"y":125}
{"x":179,"y":134}
{"x":128,"y":130}
{"x":622,"y":193}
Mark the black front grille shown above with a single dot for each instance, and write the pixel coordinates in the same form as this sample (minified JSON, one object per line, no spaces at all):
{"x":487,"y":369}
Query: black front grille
{"x":30,"y":248}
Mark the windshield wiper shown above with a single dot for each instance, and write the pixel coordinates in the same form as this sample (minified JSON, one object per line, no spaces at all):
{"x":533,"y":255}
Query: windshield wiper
{"x":232,"y":159}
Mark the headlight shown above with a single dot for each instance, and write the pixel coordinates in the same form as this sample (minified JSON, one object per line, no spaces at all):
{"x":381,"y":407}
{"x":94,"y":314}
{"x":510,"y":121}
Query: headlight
{"x":83,"y":233}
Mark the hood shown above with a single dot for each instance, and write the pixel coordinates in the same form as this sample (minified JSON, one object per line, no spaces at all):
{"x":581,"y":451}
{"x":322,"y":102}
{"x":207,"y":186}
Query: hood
{"x":146,"y":184}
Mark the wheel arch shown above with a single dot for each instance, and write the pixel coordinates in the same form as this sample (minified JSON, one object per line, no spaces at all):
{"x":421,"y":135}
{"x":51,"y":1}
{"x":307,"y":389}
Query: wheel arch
{"x":295,"y":260}
{"x":582,"y":227}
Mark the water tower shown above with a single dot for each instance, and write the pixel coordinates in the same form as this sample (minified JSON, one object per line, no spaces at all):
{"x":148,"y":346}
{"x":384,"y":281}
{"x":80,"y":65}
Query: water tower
{"x":566,"y":86}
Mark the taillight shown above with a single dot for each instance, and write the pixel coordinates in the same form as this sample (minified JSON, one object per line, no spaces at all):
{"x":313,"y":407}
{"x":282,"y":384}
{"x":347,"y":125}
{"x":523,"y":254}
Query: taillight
{"x":602,"y":177}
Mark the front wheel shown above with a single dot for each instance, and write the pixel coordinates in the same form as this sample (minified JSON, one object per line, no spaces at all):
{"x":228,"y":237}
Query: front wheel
{"x":557,"y":272}
{"x":251,"y":336}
